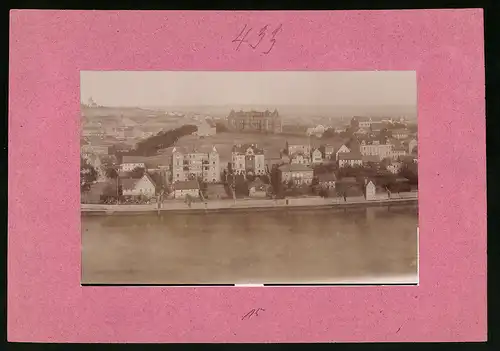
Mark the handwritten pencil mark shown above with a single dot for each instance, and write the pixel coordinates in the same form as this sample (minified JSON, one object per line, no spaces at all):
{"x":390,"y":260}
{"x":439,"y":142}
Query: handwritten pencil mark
{"x":252,"y":312}
{"x":273,"y":40}
{"x":244,"y":37}
{"x":240,"y":40}
{"x":398,"y":330}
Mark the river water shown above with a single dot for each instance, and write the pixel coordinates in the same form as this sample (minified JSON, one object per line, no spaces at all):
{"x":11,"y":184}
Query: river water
{"x":288,"y":247}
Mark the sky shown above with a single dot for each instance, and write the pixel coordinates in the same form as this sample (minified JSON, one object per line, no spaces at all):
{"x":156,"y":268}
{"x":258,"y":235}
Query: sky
{"x":190,"y":88}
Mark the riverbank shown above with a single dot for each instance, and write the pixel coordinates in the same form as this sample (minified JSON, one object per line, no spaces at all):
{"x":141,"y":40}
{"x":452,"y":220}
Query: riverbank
{"x":311,"y":203}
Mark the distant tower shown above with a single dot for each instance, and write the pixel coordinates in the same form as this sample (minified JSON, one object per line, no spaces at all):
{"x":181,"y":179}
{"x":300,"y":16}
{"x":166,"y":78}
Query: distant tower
{"x":178,"y":173}
{"x":214,"y":166}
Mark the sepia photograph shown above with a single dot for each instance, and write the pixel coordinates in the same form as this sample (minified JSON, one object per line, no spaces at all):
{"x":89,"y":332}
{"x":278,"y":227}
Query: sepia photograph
{"x":234,"y":178}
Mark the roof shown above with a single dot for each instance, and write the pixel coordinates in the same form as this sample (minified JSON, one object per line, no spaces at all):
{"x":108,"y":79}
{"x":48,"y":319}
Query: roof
{"x":242,"y":148}
{"x":130,"y":183}
{"x":399,"y":148}
{"x":295,"y":168}
{"x":134,"y":159}
{"x":370,"y":158}
{"x":361,"y":118}
{"x":349,"y":156}
{"x":186,"y":185}
{"x":298,"y":153}
{"x":327,"y":177}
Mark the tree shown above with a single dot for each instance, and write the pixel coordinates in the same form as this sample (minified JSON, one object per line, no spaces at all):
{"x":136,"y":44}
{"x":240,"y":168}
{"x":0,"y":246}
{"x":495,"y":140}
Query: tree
{"x":111,"y":173}
{"x":137,"y":172}
{"x":250,"y":177}
{"x":329,"y":133}
{"x":220,"y":128}
{"x":88,"y":175}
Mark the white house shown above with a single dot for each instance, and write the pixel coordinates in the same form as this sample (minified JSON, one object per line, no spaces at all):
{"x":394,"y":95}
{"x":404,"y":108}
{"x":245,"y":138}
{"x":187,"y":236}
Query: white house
{"x":395,"y":167}
{"x":129,"y":163}
{"x":184,"y":188}
{"x":375,"y":148}
{"x":316,"y":156}
{"x":350,"y":159}
{"x":370,"y":191}
{"x":144,"y":186}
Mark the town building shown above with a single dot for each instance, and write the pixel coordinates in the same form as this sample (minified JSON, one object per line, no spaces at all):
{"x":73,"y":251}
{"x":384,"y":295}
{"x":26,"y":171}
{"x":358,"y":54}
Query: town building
{"x":202,"y":164}
{"x":327,"y":180}
{"x":361,"y":122}
{"x":295,"y":148}
{"x":351,"y":159}
{"x":398,"y":152}
{"x":297,"y":173}
{"x":394,"y":167}
{"x":375,"y":148}
{"x":129,"y":163}
{"x":248,"y":159}
{"x":144,"y":186}
{"x":184,"y":188}
{"x":361,"y":131}
{"x":367,"y":159}
{"x":255,"y":121}
{"x":316,"y":156}
{"x":400,"y":133}
{"x":300,"y":158}
{"x":94,"y":149}
{"x":342,"y":150}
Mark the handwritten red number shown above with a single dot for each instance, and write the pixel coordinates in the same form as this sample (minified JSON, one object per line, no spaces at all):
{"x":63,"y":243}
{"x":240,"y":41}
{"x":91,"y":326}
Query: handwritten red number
{"x":273,"y":40}
{"x":239,"y":39}
{"x":262,"y":34}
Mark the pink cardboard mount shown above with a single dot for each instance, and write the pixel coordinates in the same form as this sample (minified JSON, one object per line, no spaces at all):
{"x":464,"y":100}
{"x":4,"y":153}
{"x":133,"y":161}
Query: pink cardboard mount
{"x":48,"y":49}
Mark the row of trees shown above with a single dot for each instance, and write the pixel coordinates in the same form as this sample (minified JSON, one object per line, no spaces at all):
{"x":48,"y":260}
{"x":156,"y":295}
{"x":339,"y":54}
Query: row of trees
{"x":88,"y":175}
{"x":162,"y":140}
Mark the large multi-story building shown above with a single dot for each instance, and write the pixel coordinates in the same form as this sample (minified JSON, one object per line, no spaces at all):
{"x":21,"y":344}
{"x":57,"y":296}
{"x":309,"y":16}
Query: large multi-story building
{"x":361,"y":122}
{"x":297,"y":173}
{"x":248,"y":159}
{"x":195,"y":164}
{"x":265,"y":122}
{"x":375,"y":148}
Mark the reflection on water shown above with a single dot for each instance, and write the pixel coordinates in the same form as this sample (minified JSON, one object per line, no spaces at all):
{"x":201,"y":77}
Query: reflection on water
{"x":257,"y":247}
